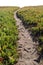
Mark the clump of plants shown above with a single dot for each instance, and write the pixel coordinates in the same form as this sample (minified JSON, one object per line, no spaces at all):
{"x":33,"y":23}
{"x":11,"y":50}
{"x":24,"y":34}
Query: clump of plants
{"x":32,"y":18}
{"x":8,"y":36}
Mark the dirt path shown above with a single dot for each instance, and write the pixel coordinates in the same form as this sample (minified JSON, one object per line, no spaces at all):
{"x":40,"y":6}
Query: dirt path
{"x":26,"y":47}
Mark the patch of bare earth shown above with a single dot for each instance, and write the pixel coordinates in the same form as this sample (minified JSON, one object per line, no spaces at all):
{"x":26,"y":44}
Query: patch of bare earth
{"x":26,"y":47}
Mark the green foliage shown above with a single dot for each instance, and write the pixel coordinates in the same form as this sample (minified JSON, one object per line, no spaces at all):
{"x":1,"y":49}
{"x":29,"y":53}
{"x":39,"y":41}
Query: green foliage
{"x":33,"y":18}
{"x":8,"y":36}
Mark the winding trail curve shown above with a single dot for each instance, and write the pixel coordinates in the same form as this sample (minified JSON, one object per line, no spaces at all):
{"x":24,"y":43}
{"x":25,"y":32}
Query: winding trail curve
{"x":26,"y":47}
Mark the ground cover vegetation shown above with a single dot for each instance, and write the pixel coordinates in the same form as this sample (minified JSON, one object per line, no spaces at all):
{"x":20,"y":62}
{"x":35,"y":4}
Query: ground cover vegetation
{"x":8,"y":36}
{"x":32,"y":18}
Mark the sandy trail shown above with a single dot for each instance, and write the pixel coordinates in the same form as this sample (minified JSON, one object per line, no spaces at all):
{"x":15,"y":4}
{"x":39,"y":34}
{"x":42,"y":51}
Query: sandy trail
{"x":26,"y":47}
